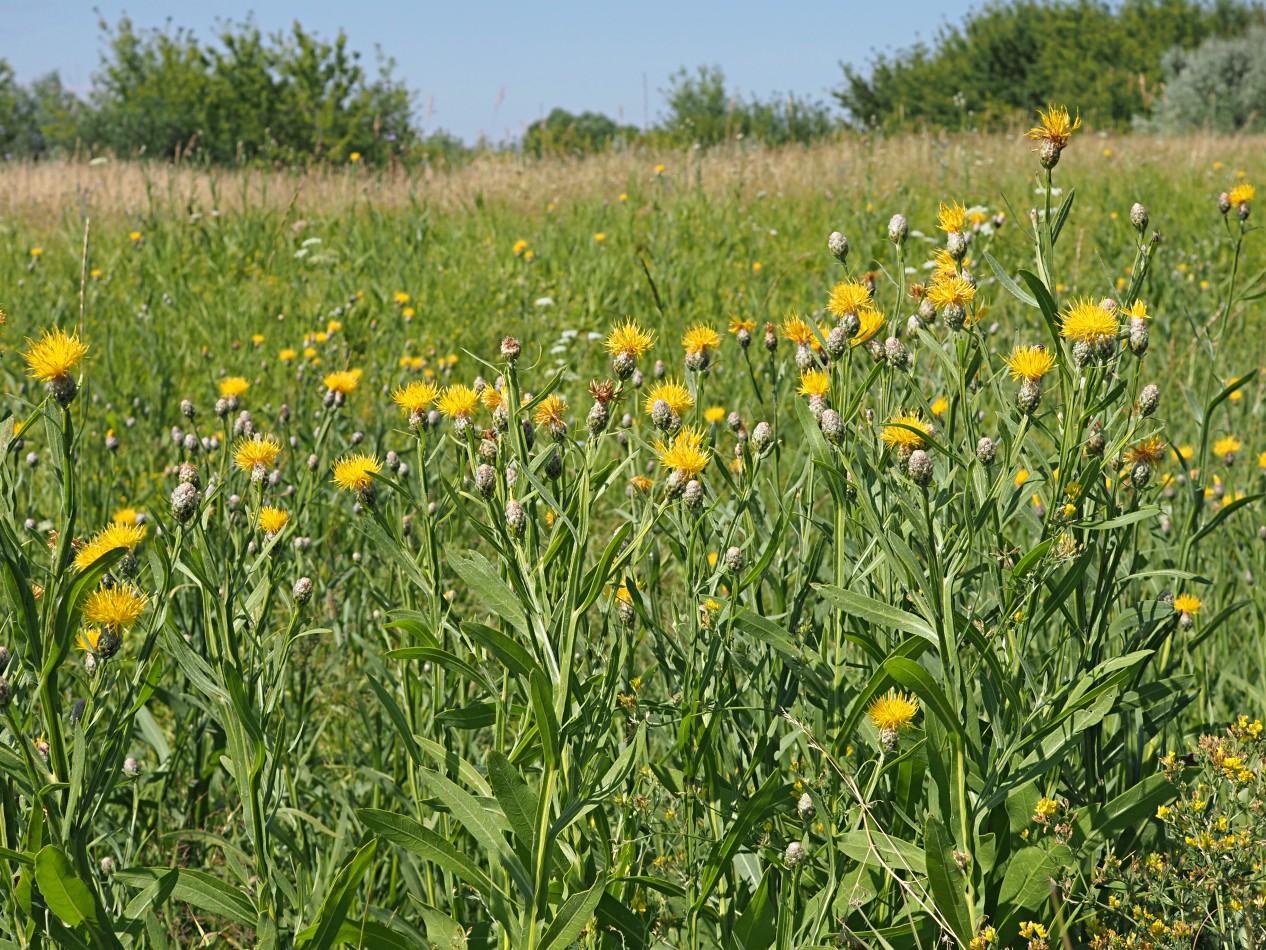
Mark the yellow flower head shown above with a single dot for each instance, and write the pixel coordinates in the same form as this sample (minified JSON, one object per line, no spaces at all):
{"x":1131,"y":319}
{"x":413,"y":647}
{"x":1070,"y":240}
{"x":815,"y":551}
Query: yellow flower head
{"x":356,"y":472}
{"x":1227,"y":445}
{"x":493,"y":398}
{"x":797,"y":330}
{"x":256,"y":455}
{"x":944,"y":265}
{"x":673,"y":393}
{"x":1150,"y":450}
{"x":1087,"y":322}
{"x":1057,"y":126}
{"x":628,"y":340}
{"x":549,"y":412}
{"x":112,"y":536}
{"x":893,"y":711}
{"x":1187,"y":604}
{"x":1030,"y":363}
{"x":953,"y":289}
{"x":519,"y":247}
{"x":458,"y":402}
{"x":738,"y":325}
{"x":54,"y":355}
{"x":288,"y":355}
{"x":939,"y":405}
{"x":897,"y":433}
{"x":401,"y":298}
{"x":126,"y":516}
{"x":1242,"y":194}
{"x":1136,"y":311}
{"x":848,"y":296}
{"x":88,"y":639}
{"x":232,"y":386}
{"x":343,"y":381}
{"x":685,"y":454}
{"x":114,"y":607}
{"x":951,"y":218}
{"x":714,"y":415}
{"x":814,"y":383}
{"x":416,"y":397}
{"x":272,"y":520}
{"x":872,"y":321}
{"x":700,"y":339}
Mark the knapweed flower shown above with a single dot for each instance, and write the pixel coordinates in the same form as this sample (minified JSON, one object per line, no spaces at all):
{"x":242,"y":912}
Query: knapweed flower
{"x":951,"y":291}
{"x":519,"y":247}
{"x":114,"y":607}
{"x":1053,"y":134}
{"x":871,"y":321}
{"x":1242,"y":194}
{"x":1136,"y":311}
{"x":685,"y":456}
{"x":739,"y":325}
{"x":714,"y":415}
{"x":1226,"y":448}
{"x":256,"y":455}
{"x":116,"y":535}
{"x":232,"y":387}
{"x":797,"y":330}
{"x":676,"y":396}
{"x":626,"y":343}
{"x":52,"y":358}
{"x":549,"y":415}
{"x":272,"y":520}
{"x":699,"y":342}
{"x":1150,"y":451}
{"x":401,"y":298}
{"x":342,"y":382}
{"x":415,"y":398}
{"x":1030,"y":363}
{"x":1187,"y":604}
{"x":355,"y":472}
{"x":458,"y":401}
{"x":898,"y":432}
{"x":814,"y":383}
{"x":848,"y":296}
{"x":951,"y":218}
{"x":126,"y":516}
{"x":1088,"y":322}
{"x":893,"y":711}
{"x":88,"y":639}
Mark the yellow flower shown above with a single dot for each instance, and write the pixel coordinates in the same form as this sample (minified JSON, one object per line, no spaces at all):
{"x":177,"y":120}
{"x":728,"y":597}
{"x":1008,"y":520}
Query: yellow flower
{"x":814,"y":383}
{"x":37,"y":251}
{"x":848,"y":296}
{"x":458,"y":402}
{"x":953,"y":290}
{"x":415,"y":398}
{"x":1137,"y":311}
{"x":257,"y":338}
{"x":343,"y":381}
{"x":1227,"y":445}
{"x":519,"y":247}
{"x":333,"y":326}
{"x":893,"y":711}
{"x":600,"y":237}
{"x":797,"y":330}
{"x":401,"y":298}
{"x":256,"y":455}
{"x":1150,"y":450}
{"x":354,"y":157}
{"x":232,"y":386}
{"x":714,"y":414}
{"x":700,"y":338}
{"x":549,"y":412}
{"x":1087,"y":322}
{"x":623,"y":196}
{"x":126,"y":516}
{"x":112,"y":536}
{"x":288,"y":355}
{"x":272,"y":520}
{"x":1021,"y":477}
{"x":1261,"y":460}
{"x":1162,"y":812}
{"x":738,"y":325}
{"x":629,"y":340}
{"x":1187,"y":604}
{"x":1030,"y":363}
{"x":309,"y":352}
{"x":55,"y":355}
{"x":685,"y":454}
{"x":939,"y":405}
{"x":897,"y":435}
{"x":872,"y":320}
{"x":356,"y":472}
{"x":642,"y":483}
{"x":1242,"y":194}
{"x":88,"y":638}
{"x":114,"y":607}
{"x":944,"y":265}
{"x":1031,"y":930}
{"x":1057,"y":126}
{"x":674,"y":394}
{"x":1046,"y":807}
{"x":493,"y":399}
{"x":659,"y":169}
{"x":951,"y":217}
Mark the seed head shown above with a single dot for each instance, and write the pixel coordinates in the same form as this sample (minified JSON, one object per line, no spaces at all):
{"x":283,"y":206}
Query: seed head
{"x":510,"y":349}
{"x":804,"y":807}
{"x":486,"y":480}
{"x":832,"y":426}
{"x":516,"y":518}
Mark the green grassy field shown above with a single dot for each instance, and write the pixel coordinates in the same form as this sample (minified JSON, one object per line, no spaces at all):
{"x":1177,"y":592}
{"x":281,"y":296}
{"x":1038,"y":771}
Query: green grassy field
{"x":860,"y":640}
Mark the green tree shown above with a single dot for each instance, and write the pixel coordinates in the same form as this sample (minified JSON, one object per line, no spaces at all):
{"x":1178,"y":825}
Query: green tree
{"x":561,"y":132}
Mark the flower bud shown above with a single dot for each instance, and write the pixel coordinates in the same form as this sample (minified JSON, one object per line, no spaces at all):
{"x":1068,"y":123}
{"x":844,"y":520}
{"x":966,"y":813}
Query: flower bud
{"x":1138,"y":217}
{"x":804,"y":807}
{"x":1149,"y":399}
{"x":693,"y":495}
{"x":920,"y":468}
{"x":832,"y":426}
{"x":735,"y":560}
{"x":1029,"y":396}
{"x":896,"y":353}
{"x":131,"y":767}
{"x":898,"y":229}
{"x":302,"y":591}
{"x":486,"y":480}
{"x":184,"y":502}
{"x":1048,"y":155}
{"x":838,"y":245}
{"x":1224,"y":202}
{"x":956,"y":244}
{"x":986,"y":451}
{"x":795,"y":854}
{"x":510,"y":349}
{"x":516,"y":518}
{"x":762,"y":436}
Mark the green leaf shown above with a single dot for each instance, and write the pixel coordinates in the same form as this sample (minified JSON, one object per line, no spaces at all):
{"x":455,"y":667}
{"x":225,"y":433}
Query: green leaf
{"x":1010,"y":285}
{"x":877,"y":612}
{"x":485,"y":583}
{"x":572,"y":918}
{"x":546,"y":721}
{"x":771,"y":796}
{"x":396,"y":715}
{"x":874,"y":847}
{"x":420,"y":840}
{"x":914,"y":677}
{"x":946,"y":880}
{"x":323,"y":933}
{"x":1026,"y":885}
{"x":513,"y":795}
{"x":508,"y":651}
{"x":65,"y":894}
{"x":199,"y":889}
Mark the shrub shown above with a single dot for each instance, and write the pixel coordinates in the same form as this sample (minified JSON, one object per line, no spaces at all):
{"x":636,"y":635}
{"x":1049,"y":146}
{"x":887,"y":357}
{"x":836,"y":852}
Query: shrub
{"x":1220,"y":86}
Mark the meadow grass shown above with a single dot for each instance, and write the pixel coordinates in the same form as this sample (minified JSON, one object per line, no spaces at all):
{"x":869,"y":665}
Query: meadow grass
{"x":893,"y":629}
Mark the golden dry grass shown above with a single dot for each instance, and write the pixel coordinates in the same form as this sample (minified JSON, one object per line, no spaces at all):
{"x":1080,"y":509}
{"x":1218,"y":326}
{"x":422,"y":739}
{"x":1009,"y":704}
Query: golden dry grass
{"x":856,"y":166}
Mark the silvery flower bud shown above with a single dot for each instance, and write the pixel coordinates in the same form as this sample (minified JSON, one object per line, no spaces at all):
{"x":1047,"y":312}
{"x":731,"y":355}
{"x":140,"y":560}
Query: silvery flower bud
{"x":836,"y":342}
{"x":734,"y":422}
{"x":131,"y":767}
{"x":1141,"y":474}
{"x":1083,"y":353}
{"x":624,"y":364}
{"x":1224,"y":202}
{"x":956,"y":244}
{"x":1149,"y":399}
{"x":510,"y":349}
{"x":805,"y":359}
{"x":553,"y":465}
{"x":913,"y":325}
{"x":920,"y":468}
{"x":661,"y":370}
{"x":662,"y":417}
{"x":107,"y":866}
{"x":735,"y":560}
{"x":1048,"y":155}
{"x":184,"y":502}
{"x":832,"y":426}
{"x":1029,"y":396}
{"x":486,"y":480}
{"x":795,"y":854}
{"x":986,"y":451}
{"x":1096,"y":444}
{"x":955,"y":316}
{"x":596,"y":421}
{"x":393,"y":462}
{"x":1138,"y":217}
{"x":762,"y":436}
{"x":927,"y":312}
{"x":898,"y":229}
{"x":896,"y":353}
{"x":851,"y":324}
{"x":771,"y":337}
{"x":516,"y":518}
{"x":693,"y":495}
{"x":838,"y":245}
{"x":804,"y":807}
{"x":1138,"y":336}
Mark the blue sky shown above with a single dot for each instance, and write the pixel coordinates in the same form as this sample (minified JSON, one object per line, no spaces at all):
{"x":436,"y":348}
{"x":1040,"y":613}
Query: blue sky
{"x":492,"y":68}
